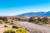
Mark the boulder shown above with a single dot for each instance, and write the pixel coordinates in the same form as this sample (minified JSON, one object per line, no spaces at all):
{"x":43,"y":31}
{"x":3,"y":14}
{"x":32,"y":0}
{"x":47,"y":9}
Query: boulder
{"x":31,"y":19}
{"x":45,"y":19}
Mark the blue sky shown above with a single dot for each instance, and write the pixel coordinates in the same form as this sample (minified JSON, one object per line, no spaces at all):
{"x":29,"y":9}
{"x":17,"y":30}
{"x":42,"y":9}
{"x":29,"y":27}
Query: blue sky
{"x":15,"y":7}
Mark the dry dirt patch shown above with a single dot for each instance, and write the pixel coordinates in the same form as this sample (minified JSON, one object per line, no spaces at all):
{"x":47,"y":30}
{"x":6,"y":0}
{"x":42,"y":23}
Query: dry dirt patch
{"x":2,"y":28}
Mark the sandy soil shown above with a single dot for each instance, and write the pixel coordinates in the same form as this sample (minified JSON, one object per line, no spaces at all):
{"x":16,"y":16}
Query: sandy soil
{"x":2,"y":28}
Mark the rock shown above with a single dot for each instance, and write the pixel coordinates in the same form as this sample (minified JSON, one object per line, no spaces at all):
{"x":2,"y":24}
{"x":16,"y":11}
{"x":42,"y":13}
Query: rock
{"x":45,"y":19}
{"x":31,"y":19}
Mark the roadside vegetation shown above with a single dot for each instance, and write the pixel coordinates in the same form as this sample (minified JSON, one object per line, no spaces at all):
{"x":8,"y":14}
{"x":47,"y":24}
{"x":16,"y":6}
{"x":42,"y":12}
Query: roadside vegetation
{"x":5,"y":26}
{"x":9,"y":31}
{"x":39,"y":20}
{"x":18,"y":30}
{"x":12,"y":23}
{"x":1,"y":21}
{"x":14,"y":26}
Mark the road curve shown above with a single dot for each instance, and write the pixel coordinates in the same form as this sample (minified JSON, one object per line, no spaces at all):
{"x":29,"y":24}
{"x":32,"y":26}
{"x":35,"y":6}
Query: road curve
{"x":33,"y":28}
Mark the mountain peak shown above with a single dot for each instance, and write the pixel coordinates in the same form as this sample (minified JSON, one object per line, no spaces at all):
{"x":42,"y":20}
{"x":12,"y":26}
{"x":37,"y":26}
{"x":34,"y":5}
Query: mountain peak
{"x":35,"y":14}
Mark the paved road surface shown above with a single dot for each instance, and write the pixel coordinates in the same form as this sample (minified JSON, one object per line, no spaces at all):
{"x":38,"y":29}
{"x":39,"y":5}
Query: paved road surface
{"x":33,"y":28}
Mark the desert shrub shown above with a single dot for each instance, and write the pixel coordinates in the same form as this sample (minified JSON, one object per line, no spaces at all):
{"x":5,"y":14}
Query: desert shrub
{"x":9,"y":31}
{"x":46,"y":22}
{"x":20,"y":30}
{"x":5,"y":26}
{"x":12,"y":22}
{"x":14,"y":26}
{"x":36,"y":20}
{"x":42,"y":22}
{"x":1,"y":21}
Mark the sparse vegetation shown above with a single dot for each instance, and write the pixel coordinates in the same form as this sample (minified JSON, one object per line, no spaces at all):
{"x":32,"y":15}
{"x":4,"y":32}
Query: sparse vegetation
{"x":14,"y":26}
{"x":20,"y":30}
{"x":9,"y":31}
{"x":42,"y":22}
{"x":5,"y":26}
{"x":46,"y":22}
{"x":1,"y":21}
{"x":38,"y":21}
{"x":12,"y":23}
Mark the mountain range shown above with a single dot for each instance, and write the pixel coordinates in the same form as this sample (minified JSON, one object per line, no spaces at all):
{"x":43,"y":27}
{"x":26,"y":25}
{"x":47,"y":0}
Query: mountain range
{"x":35,"y":14}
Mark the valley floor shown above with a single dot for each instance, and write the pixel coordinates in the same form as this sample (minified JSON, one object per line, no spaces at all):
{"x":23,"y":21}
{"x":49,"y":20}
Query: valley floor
{"x":30,"y":27}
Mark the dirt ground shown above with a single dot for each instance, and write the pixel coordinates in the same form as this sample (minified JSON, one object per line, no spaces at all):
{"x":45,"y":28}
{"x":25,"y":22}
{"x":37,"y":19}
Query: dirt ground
{"x":31,"y":27}
{"x":2,"y":28}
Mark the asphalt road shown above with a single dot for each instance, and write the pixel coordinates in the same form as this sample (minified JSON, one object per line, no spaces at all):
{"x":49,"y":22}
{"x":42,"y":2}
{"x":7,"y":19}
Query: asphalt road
{"x":33,"y":28}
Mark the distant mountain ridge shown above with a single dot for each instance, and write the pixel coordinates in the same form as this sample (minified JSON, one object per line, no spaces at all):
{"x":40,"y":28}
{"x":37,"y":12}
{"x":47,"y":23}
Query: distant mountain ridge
{"x":36,"y":14}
